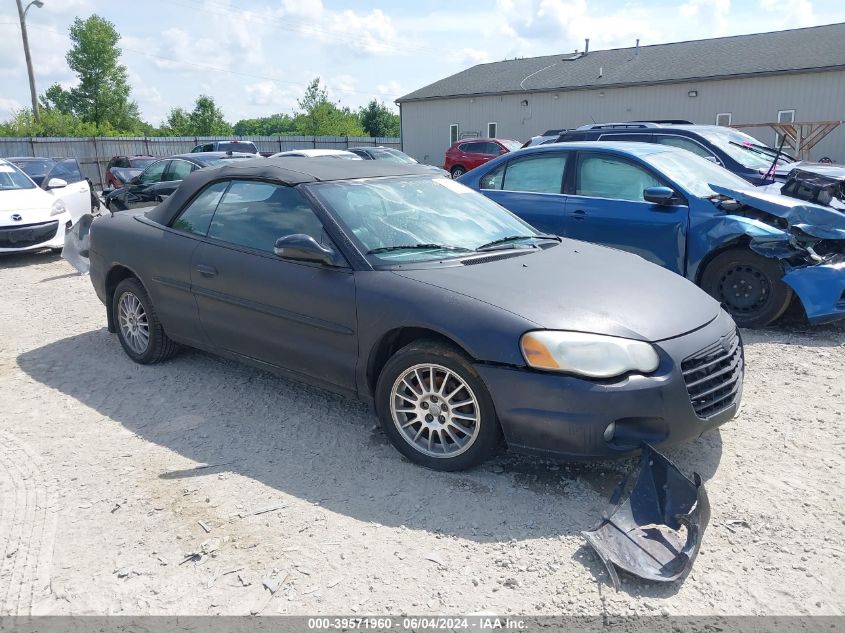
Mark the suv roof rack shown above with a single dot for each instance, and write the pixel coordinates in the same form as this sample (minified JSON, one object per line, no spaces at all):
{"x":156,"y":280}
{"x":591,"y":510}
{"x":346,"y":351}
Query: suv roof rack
{"x":666,"y":121}
{"x":634,"y":125}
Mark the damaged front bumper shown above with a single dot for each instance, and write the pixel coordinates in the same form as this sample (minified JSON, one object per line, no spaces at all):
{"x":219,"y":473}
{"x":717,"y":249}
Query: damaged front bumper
{"x":809,"y":240}
{"x":821,"y":289}
{"x":653,"y":527}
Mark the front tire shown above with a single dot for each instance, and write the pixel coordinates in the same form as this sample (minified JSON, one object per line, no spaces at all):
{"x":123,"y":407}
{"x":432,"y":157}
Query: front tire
{"x":748,"y":285}
{"x":435,"y":409}
{"x":457,"y":172}
{"x":138,"y":328}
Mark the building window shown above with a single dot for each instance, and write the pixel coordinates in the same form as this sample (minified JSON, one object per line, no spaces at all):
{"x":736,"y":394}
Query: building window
{"x":784,"y":116}
{"x":453,"y":133}
{"x":492,"y":128}
{"x":723,"y":118}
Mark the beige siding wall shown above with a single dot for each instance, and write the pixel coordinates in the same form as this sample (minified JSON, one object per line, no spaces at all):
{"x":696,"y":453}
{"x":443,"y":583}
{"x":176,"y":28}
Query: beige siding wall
{"x":814,"y":97}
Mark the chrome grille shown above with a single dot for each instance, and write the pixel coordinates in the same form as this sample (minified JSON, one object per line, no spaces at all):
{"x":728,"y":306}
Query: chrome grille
{"x":714,"y":375}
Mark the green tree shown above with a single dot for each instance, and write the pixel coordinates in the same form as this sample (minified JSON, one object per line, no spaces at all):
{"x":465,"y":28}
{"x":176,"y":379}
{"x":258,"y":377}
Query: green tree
{"x":177,"y":123}
{"x":378,"y":120}
{"x":51,"y":122}
{"x":273,"y":125}
{"x":102,"y":95}
{"x":207,"y":119}
{"x":312,"y":108}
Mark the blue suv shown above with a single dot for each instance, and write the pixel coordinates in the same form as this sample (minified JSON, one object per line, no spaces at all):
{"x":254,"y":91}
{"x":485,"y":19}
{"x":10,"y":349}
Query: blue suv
{"x":736,"y":151}
{"x":751,"y":250}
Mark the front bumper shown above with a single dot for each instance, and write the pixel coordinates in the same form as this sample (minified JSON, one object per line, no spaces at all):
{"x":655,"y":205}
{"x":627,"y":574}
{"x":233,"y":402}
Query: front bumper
{"x":821,"y":289}
{"x":564,"y":416}
{"x":34,"y":236}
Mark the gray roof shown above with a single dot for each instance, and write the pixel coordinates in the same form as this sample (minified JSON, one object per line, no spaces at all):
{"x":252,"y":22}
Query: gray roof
{"x":814,"y":48}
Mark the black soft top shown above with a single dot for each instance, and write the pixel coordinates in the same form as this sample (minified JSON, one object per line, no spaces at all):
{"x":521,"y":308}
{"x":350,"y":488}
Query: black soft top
{"x":284,"y":170}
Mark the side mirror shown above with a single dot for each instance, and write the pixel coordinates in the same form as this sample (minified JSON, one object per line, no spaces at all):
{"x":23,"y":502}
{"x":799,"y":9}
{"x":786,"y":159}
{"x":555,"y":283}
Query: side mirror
{"x":658,"y":195}
{"x":304,"y":248}
{"x":56,"y":183}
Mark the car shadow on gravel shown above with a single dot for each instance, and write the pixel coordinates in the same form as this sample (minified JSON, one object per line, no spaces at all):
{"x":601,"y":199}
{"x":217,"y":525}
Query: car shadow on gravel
{"x":329,"y":450}
{"x":35,"y":258}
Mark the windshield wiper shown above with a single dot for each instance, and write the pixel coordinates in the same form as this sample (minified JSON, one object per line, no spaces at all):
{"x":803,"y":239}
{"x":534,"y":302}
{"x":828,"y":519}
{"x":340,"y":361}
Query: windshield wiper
{"x":409,"y":247}
{"x":514,"y":238}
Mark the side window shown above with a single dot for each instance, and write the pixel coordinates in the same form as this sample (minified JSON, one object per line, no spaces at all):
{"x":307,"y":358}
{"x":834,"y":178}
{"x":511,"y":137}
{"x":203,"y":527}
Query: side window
{"x":154,"y":173}
{"x":256,"y":214}
{"x":208,"y":147}
{"x":491,"y":148}
{"x":468,"y":148}
{"x":67,"y":170}
{"x":494,"y":179}
{"x":196,"y":217}
{"x":683,"y":143}
{"x":603,"y":176}
{"x":179,"y":169}
{"x":537,"y":174}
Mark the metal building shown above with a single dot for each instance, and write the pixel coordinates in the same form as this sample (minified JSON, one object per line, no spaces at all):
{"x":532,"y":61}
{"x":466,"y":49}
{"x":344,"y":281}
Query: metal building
{"x":795,"y":75}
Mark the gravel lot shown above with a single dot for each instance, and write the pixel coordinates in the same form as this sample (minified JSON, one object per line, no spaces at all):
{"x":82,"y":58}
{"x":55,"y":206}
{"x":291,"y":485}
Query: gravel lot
{"x":179,"y":488}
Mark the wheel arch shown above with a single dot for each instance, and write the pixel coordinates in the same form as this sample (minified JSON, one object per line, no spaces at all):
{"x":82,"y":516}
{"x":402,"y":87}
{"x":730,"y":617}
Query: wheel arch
{"x":397,"y":338}
{"x":742,"y":241}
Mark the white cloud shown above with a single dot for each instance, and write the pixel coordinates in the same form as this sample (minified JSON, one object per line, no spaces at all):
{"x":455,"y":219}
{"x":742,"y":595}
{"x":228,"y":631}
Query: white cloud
{"x":271,"y":97}
{"x":370,"y":33}
{"x":9,"y":106}
{"x":790,"y":13}
{"x":472,"y":56}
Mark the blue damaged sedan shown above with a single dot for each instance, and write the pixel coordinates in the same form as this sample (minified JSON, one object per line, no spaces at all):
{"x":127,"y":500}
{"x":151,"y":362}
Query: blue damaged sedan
{"x":752,"y":250}
{"x":459,"y":322}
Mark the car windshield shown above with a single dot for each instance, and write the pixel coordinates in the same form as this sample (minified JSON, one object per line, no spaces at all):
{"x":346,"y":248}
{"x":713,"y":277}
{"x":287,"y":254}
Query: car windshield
{"x":394,"y":156}
{"x":141,"y":163}
{"x":511,"y":145}
{"x":693,"y":172}
{"x":216,"y":160}
{"x":13,"y":178}
{"x":36,"y":168}
{"x":744,"y":149}
{"x":237,"y":147}
{"x":414,"y":219}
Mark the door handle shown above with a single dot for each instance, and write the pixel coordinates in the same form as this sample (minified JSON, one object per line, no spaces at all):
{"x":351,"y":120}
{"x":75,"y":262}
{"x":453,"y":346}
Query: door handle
{"x":206,"y":271}
{"x":579,"y":214}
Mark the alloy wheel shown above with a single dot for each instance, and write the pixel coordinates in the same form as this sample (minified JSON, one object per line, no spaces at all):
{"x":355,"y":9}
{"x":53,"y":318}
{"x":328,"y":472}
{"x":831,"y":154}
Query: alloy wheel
{"x":132,"y":319}
{"x":435,"y":410}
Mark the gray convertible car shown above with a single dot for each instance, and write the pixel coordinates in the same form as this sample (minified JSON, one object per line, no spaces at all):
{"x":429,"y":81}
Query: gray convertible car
{"x":462,"y":324}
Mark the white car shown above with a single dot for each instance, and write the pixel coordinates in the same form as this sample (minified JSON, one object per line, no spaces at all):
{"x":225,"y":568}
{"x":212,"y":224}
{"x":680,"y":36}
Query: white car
{"x":319,"y":153}
{"x":32,"y":218}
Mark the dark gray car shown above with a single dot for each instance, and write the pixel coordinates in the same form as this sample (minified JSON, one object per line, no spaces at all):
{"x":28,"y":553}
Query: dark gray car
{"x":459,"y":322}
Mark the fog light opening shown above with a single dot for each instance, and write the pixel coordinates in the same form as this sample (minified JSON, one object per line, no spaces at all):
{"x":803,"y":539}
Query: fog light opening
{"x":609,"y":432}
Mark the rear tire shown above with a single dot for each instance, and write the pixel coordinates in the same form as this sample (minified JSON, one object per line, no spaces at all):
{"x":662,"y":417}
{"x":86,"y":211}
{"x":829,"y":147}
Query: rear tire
{"x":457,"y":171}
{"x":435,"y":409}
{"x":748,"y":285}
{"x":138,"y":328}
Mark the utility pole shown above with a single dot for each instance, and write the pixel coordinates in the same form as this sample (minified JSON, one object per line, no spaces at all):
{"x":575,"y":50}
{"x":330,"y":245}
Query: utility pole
{"x":22,"y":13}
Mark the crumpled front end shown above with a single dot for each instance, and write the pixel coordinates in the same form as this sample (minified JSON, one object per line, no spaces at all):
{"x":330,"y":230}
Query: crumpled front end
{"x":78,"y":244}
{"x":808,"y":239}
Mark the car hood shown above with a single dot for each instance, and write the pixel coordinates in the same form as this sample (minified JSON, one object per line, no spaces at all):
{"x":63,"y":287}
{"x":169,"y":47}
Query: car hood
{"x":23,"y":200}
{"x":581,"y":287}
{"x":815,"y":220}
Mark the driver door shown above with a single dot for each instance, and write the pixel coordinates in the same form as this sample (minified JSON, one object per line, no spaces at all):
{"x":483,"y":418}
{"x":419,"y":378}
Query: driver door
{"x":77,"y":194}
{"x":607,"y":207}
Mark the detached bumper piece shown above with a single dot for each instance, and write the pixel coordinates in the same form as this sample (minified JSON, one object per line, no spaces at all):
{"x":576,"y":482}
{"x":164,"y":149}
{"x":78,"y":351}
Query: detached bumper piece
{"x":78,"y":243}
{"x":653,"y":527}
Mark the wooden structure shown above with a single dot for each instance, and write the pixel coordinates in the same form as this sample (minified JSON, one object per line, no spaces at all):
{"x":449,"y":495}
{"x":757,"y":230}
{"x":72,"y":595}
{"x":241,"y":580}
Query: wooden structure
{"x":800,"y":137}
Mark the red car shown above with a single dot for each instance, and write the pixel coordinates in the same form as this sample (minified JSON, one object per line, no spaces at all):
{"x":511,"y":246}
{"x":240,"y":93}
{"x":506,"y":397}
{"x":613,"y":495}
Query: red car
{"x":469,"y":153}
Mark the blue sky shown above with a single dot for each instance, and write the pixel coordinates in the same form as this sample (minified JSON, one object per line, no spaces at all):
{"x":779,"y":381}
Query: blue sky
{"x":256,"y":56}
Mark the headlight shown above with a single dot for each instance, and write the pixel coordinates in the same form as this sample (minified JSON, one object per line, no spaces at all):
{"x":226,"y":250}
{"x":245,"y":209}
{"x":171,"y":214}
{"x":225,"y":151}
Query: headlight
{"x":591,"y":355}
{"x":58,"y":208}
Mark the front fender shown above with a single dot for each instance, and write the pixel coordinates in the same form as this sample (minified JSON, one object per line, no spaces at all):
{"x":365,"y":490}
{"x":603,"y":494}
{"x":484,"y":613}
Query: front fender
{"x":821,"y":289}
